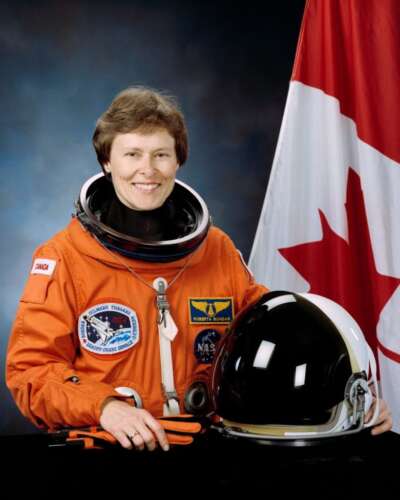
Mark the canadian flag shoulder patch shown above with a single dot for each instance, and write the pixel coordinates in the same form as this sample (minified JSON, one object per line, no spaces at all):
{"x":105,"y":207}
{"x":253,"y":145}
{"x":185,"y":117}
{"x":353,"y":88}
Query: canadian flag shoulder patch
{"x":43,"y":266}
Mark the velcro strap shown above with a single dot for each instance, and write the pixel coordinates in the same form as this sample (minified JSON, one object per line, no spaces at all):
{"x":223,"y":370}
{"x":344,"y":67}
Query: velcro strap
{"x":98,"y":434}
{"x":180,"y":427}
{"x":180,"y":430}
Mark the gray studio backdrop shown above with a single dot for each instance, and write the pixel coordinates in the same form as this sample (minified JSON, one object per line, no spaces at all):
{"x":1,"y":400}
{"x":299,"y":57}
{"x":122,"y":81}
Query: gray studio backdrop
{"x":61,"y":64}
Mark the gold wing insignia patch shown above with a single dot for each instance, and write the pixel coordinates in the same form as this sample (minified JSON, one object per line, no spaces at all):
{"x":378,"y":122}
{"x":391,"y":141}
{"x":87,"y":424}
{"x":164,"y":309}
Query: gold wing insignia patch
{"x":211,"y":310}
{"x":200,"y":305}
{"x":221,"y":306}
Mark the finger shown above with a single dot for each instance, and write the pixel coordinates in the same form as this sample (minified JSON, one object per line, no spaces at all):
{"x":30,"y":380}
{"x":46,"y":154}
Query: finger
{"x":369,"y":415}
{"x":371,"y":410}
{"x":384,"y":423}
{"x":383,"y":412}
{"x":145,"y":436}
{"x":383,"y":427}
{"x":123,"y":439}
{"x":136,"y":439}
{"x":158,"y":432}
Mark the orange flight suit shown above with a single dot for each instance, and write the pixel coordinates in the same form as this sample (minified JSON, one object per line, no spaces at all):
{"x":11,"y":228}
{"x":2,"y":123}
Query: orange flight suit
{"x":61,"y":365}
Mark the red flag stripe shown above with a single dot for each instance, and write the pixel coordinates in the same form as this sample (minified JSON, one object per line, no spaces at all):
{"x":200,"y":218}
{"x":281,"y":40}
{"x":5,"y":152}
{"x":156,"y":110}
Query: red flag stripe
{"x":361,"y":38}
{"x":394,"y":356}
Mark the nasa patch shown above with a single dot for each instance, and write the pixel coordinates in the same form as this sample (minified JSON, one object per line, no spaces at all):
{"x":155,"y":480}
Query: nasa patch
{"x":205,"y":345}
{"x":108,"y":328}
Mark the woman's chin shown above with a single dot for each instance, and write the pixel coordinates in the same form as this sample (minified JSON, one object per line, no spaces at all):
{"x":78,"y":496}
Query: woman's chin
{"x":144,"y":204}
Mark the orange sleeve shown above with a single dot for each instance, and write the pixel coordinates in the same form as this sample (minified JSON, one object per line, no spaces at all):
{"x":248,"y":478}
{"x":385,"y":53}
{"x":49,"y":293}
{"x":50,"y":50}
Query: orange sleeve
{"x":40,"y":359}
{"x":245,"y":286}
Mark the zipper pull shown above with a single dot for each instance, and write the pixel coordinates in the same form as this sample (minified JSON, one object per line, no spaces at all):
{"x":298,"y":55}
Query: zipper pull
{"x":160,"y":285}
{"x":166,"y":323}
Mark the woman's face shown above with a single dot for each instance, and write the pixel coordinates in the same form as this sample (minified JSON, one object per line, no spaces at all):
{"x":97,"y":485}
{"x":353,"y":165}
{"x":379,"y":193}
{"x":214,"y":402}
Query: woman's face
{"x":143,"y":168}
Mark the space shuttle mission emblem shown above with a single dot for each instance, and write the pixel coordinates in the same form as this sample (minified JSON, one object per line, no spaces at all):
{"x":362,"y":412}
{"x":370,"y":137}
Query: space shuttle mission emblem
{"x":108,"y":328}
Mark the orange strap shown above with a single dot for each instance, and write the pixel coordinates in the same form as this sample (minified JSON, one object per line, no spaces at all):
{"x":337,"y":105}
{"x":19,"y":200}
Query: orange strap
{"x":97,"y":434}
{"x":180,"y":430}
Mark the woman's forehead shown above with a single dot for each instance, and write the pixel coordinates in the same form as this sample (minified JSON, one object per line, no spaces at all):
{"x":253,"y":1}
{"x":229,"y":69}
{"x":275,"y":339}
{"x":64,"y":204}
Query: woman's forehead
{"x":158,"y":138}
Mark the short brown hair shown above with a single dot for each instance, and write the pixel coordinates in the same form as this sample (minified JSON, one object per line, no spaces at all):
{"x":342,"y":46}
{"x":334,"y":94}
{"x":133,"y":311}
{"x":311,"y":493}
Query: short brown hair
{"x":142,"y":109}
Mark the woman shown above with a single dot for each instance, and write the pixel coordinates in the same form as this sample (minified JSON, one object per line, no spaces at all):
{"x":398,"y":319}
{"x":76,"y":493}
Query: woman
{"x":122,"y":311}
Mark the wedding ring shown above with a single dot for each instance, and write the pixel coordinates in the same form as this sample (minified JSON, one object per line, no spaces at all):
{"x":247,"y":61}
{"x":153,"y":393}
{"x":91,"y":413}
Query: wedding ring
{"x":132,"y":436}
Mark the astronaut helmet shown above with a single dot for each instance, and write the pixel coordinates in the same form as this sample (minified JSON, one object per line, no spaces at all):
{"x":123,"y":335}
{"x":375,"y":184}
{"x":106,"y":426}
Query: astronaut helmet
{"x":293,"y":368}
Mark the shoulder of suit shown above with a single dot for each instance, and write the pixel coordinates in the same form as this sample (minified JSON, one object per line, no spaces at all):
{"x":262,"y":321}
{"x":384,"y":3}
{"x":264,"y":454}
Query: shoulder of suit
{"x":54,"y":245}
{"x":218,"y":235}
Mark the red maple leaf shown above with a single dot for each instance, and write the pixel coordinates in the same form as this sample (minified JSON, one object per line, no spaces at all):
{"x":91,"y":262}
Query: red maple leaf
{"x":345,"y":271}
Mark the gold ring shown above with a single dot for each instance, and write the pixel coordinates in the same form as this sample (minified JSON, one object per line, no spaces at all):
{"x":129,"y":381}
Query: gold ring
{"x":132,"y":436}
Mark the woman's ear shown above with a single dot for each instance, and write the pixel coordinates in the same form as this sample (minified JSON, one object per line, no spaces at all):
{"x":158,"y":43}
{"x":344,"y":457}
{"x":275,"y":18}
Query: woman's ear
{"x":107,"y":171}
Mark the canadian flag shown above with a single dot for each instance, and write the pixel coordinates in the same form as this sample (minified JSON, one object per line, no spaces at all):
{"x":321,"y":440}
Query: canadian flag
{"x":330,"y":223}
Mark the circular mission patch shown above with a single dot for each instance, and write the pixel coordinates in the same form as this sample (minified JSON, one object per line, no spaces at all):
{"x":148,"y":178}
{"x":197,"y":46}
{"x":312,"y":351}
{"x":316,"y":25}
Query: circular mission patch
{"x":108,"y":328}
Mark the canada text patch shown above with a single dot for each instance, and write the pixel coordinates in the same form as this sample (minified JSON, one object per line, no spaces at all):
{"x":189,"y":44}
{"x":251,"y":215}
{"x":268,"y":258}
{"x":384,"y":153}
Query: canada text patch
{"x":108,"y":328}
{"x":210,"y":311}
{"x":43,"y":266}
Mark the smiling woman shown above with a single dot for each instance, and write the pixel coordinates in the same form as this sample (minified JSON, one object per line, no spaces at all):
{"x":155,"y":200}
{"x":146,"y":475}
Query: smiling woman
{"x":123,"y":309}
{"x":140,"y":141}
{"x":143,"y":168}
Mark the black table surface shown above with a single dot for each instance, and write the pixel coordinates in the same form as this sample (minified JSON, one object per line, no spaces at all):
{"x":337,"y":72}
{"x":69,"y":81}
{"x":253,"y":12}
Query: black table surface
{"x":359,"y":467}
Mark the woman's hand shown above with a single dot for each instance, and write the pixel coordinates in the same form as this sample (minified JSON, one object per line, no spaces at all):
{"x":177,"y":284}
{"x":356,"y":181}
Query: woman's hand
{"x":384,"y":421}
{"x":132,"y":426}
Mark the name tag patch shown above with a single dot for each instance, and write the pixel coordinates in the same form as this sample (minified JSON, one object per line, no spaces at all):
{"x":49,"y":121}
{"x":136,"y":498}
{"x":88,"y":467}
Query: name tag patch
{"x":43,"y":266}
{"x":210,"y":311}
{"x":108,"y":328}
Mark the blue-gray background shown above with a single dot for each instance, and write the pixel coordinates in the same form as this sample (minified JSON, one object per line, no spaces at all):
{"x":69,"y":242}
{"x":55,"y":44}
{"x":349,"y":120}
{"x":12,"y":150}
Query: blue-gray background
{"x":62,"y":62}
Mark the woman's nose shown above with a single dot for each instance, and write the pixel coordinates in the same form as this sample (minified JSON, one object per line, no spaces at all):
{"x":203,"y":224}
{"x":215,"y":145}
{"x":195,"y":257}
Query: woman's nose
{"x":147,"y":166}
